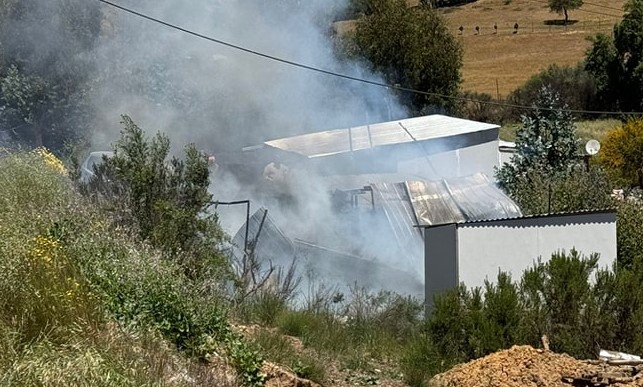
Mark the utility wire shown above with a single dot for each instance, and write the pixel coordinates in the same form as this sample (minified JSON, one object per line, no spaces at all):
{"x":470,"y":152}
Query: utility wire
{"x":585,"y":10}
{"x":356,"y":79}
{"x":602,"y":6}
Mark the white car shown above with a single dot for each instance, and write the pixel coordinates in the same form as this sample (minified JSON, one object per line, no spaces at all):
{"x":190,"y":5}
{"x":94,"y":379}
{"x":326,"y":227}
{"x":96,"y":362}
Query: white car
{"x":87,"y":168}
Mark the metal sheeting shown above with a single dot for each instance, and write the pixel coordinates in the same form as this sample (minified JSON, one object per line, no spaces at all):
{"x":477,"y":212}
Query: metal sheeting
{"x":480,"y":199}
{"x":432,"y":203}
{"x":386,"y":133}
{"x":344,"y":270}
{"x":394,"y":202}
{"x":459,"y":200}
{"x":271,"y":243}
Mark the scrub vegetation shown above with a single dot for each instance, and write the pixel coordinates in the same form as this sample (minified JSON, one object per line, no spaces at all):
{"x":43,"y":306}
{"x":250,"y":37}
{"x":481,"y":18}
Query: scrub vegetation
{"x":126,"y":279}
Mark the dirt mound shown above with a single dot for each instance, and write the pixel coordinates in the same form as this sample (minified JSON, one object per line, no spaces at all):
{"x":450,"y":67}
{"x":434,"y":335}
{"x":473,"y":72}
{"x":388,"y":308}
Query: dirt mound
{"x":524,"y":366}
{"x":277,"y":376}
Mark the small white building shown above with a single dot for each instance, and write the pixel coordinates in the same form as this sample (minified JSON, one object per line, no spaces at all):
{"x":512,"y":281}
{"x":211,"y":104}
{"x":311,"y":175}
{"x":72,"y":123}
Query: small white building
{"x":472,"y":252}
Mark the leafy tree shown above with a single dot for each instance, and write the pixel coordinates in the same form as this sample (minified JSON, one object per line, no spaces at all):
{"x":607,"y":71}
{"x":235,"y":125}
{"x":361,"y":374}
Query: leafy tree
{"x":617,"y":63}
{"x":546,"y":141}
{"x":575,"y":86}
{"x":411,"y":47}
{"x":562,"y":6}
{"x":622,"y":153}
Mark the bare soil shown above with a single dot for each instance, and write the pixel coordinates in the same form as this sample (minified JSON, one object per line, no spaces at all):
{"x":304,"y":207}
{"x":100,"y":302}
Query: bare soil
{"x":525,"y":366}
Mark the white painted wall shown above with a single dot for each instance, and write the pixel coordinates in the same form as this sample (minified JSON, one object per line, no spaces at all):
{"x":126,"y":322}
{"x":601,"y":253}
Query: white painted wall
{"x":513,"y":246}
{"x":456,"y":163}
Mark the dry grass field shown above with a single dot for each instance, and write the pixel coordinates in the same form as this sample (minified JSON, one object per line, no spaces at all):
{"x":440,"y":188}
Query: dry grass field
{"x":498,"y":62}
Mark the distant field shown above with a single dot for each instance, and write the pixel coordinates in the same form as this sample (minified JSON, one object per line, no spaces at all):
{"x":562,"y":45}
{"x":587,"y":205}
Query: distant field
{"x":510,"y":59}
{"x":586,"y":130}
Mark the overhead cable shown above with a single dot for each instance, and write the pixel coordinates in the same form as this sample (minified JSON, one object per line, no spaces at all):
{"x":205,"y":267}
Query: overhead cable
{"x":356,"y":79}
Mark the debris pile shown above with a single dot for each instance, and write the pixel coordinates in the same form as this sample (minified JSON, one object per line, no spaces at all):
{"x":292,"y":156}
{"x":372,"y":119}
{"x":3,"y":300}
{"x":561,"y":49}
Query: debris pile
{"x":523,"y":366}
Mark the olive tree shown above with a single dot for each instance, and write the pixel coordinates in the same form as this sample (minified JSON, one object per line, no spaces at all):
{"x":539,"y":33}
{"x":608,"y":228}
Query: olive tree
{"x":411,"y":47}
{"x":562,"y":6}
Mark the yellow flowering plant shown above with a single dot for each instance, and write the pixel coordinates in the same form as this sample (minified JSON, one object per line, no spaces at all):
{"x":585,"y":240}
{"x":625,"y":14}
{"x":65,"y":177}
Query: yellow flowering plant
{"x":51,"y":160}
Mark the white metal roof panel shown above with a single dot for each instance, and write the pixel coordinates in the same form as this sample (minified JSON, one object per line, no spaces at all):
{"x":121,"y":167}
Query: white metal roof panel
{"x":386,"y":133}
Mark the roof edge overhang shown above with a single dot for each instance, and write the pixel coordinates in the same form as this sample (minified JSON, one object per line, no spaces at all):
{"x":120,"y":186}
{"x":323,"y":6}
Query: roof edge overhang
{"x":611,"y":212}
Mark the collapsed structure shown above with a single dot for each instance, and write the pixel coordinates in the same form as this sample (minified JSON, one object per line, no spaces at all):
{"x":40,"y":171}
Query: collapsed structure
{"x":346,"y":204}
{"x":350,"y":206}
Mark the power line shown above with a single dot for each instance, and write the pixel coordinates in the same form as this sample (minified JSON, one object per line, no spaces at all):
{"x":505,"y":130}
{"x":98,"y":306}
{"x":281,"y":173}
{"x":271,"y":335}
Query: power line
{"x":584,"y":10}
{"x":351,"y":78}
{"x":603,"y":6}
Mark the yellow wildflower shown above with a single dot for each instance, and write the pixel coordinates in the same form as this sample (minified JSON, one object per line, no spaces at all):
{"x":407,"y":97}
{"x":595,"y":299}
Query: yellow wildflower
{"x":50,"y":160}
{"x":44,"y":249}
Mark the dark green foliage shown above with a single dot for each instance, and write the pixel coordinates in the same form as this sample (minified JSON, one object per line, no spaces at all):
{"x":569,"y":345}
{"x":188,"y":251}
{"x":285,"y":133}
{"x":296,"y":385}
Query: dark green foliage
{"x":481,"y":107}
{"x":539,"y":192}
{"x":580,"y":307}
{"x":575,"y":87}
{"x":44,"y":70}
{"x":558,"y":292}
{"x":547,"y":175}
{"x":546,"y":141}
{"x":546,"y":144}
{"x":629,"y":227}
{"x":166,"y":202}
{"x":411,"y":47}
{"x":617,"y":63}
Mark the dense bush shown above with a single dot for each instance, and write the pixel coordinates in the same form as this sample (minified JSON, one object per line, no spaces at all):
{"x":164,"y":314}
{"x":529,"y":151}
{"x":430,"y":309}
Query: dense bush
{"x":482,"y":107}
{"x":622,"y":154}
{"x":577,"y":305}
{"x":61,"y":269}
{"x":616,"y":62}
{"x":575,"y":87}
{"x":165,"y":201}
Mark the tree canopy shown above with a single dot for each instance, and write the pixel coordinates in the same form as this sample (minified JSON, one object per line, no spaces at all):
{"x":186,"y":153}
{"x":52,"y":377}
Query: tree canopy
{"x":546,"y":175}
{"x":412,"y":47}
{"x":617,"y":64}
{"x":622,"y":153}
{"x":562,"y":6}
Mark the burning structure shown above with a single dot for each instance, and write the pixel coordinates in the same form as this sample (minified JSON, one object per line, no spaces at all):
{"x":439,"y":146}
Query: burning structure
{"x":345,"y":204}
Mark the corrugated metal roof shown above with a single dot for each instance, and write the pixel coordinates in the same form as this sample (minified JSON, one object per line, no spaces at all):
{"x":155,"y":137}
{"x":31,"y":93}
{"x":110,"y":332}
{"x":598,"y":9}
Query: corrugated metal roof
{"x":386,"y":133}
{"x":459,"y":200}
{"x":432,"y":202}
{"x":480,"y":199}
{"x":526,"y":217}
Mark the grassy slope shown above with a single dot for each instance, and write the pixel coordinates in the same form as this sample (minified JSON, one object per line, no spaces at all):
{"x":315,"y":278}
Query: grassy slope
{"x":57,"y":259}
{"x":512,"y":58}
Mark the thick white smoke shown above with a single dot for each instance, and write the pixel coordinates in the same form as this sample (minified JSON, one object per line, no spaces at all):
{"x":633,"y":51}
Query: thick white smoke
{"x":221,"y":98}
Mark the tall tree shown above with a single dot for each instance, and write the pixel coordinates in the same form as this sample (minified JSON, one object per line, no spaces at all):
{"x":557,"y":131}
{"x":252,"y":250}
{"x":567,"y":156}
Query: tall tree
{"x":546,"y":141}
{"x":546,"y":175}
{"x":562,"y":6}
{"x":617,"y":63}
{"x":412,"y":47}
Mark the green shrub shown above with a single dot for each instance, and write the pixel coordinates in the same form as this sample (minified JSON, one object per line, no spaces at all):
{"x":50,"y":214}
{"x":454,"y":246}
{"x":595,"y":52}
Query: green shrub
{"x":166,"y":202}
{"x":575,"y":86}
